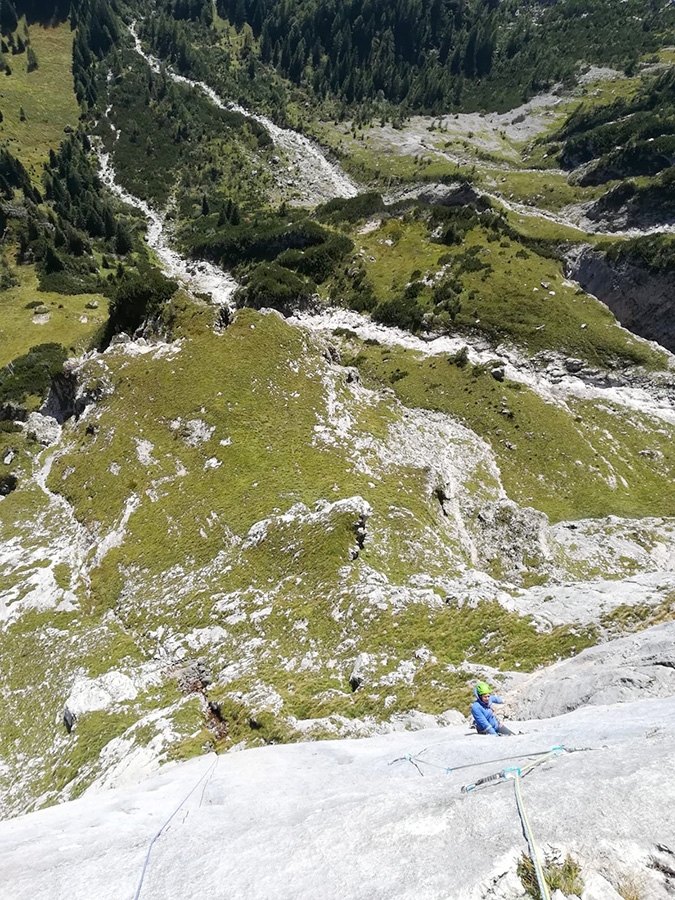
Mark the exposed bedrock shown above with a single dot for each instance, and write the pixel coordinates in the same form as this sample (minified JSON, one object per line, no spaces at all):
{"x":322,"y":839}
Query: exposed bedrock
{"x":630,"y":668}
{"x":643,"y":301}
{"x":625,"y":206}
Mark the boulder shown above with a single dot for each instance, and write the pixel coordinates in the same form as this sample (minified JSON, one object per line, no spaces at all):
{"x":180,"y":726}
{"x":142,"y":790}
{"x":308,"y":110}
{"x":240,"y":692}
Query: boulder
{"x":46,"y":429}
{"x":358,"y":673}
{"x":194,"y":678}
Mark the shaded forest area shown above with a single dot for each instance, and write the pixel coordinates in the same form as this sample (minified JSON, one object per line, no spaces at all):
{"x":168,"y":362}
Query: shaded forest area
{"x":45,"y":12}
{"x":629,"y":137}
{"x":445,"y":54}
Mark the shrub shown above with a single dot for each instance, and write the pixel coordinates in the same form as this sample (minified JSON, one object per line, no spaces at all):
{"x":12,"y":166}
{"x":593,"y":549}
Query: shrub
{"x":271,"y":285}
{"x":401,"y":312}
{"x":32,"y":373}
{"x":137,"y":297}
{"x":8,"y":483}
{"x":351,"y":209}
{"x":319,"y":261}
{"x":460,"y":358}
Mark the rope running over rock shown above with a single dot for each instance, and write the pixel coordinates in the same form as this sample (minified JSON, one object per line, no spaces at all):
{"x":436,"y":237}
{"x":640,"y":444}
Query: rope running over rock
{"x":206,"y":774}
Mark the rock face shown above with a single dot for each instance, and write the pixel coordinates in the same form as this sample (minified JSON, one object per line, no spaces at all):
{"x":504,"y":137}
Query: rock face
{"x":638,"y":666}
{"x":509,"y":532}
{"x":89,"y":694}
{"x":456,"y":194}
{"x":452,"y":195}
{"x":641,"y":300}
{"x":625,"y":206}
{"x":285,"y":813}
{"x":194,"y":678}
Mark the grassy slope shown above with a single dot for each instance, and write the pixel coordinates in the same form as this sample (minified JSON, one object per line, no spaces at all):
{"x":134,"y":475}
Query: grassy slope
{"x":509,"y":303}
{"x":383,"y":157}
{"x":591,"y":473}
{"x":19,"y":331}
{"x":46,"y":96}
{"x":293,"y":610}
{"x":293,"y":614}
{"x":182,"y":566}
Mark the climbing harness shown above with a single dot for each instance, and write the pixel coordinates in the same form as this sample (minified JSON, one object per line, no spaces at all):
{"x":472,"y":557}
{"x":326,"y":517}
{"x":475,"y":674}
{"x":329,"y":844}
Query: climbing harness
{"x":204,"y":776}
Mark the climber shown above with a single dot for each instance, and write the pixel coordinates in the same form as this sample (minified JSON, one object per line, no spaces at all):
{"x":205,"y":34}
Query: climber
{"x":483,"y":715}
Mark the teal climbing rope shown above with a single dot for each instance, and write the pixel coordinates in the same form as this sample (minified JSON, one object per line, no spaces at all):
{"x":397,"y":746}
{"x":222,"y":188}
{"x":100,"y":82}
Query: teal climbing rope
{"x":529,"y":836}
{"x":515,"y":773}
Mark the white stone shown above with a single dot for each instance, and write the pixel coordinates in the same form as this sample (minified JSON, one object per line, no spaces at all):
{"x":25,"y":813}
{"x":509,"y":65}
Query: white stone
{"x":88,"y":695}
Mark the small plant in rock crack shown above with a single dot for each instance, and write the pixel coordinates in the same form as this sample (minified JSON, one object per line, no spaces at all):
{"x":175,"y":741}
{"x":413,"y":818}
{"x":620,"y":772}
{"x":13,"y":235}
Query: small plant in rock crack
{"x":631,"y":888}
{"x":564,"y":876}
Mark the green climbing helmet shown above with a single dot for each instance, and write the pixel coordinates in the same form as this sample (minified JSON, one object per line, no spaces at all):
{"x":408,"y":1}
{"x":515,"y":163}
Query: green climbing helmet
{"x":482,"y":688}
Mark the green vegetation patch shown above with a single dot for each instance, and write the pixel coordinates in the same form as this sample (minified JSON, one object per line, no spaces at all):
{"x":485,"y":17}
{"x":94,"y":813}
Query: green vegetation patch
{"x":432,"y":639}
{"x":43,"y":651}
{"x":597,"y":468}
{"x":564,"y":876}
{"x":71,"y":321}
{"x":505,"y":289}
{"x":630,"y":136}
{"x":231,"y":423}
{"x":32,"y":373}
{"x":546,"y":190}
{"x":627,"y":618}
{"x":45,"y":95}
{"x":173,"y":136}
{"x":93,"y":731}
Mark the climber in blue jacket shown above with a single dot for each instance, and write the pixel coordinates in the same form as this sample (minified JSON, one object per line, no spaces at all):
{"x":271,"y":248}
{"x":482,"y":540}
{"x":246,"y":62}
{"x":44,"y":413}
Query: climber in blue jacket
{"x":481,"y":710}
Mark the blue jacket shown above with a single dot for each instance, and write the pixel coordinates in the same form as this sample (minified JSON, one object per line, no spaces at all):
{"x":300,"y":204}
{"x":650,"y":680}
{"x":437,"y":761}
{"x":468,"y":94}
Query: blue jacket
{"x":485,"y":719}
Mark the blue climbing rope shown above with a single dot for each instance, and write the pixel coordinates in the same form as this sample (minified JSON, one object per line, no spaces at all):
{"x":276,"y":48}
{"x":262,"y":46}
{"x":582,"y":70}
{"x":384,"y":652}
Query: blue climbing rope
{"x":176,"y":810}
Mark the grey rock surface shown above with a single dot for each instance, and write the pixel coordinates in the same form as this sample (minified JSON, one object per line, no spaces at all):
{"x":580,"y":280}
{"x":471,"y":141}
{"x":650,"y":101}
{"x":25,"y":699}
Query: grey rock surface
{"x":637,"y":666}
{"x":46,"y":429}
{"x":641,"y":300}
{"x":276,"y":822}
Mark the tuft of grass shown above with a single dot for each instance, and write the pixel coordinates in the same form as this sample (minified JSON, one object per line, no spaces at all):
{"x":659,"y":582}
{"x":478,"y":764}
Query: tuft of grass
{"x":631,"y":888}
{"x":564,"y":876}
{"x":625,"y":618}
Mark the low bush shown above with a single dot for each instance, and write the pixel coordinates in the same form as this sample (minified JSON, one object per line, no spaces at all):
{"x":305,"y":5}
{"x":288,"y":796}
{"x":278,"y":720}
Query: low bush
{"x":271,"y":285}
{"x":136,"y":297}
{"x":317,"y":262}
{"x":401,"y":312}
{"x":351,"y":209}
{"x":8,"y":484}
{"x":31,"y":374}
